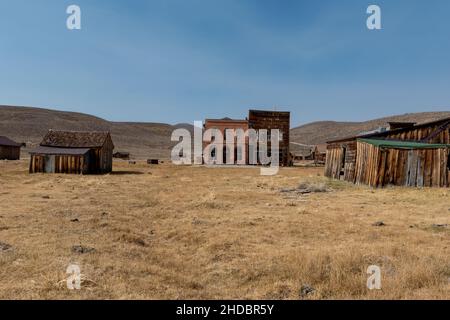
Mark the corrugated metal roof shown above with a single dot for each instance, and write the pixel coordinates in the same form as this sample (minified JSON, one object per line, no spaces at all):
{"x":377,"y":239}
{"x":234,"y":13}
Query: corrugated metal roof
{"x":399,"y":144}
{"x":60,"y":151}
{"x":75,"y":139}
{"x":5,"y":141}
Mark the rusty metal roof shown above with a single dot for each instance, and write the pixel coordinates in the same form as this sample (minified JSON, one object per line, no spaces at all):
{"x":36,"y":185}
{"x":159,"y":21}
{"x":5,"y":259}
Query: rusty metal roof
{"x":5,"y":141}
{"x":60,"y":151}
{"x":75,"y":139}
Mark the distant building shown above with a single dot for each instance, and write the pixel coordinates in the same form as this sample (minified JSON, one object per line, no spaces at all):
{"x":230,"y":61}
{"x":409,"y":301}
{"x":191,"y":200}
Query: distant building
{"x":73,"y":152}
{"x":301,"y":152}
{"x":409,"y":155}
{"x":122,"y":155}
{"x":259,"y":119}
{"x":320,"y":153}
{"x":223,"y":125}
{"x":304,"y":152}
{"x":9,"y":150}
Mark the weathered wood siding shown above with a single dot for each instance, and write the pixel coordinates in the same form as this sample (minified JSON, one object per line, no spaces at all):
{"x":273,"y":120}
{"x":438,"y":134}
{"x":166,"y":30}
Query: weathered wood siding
{"x":418,"y":134}
{"x":274,"y":120}
{"x":102,"y":158}
{"x":379,"y":167}
{"x":9,"y":153}
{"x":59,"y":164}
{"x":106,"y":157}
{"x":340,"y":160}
{"x":333,"y":162}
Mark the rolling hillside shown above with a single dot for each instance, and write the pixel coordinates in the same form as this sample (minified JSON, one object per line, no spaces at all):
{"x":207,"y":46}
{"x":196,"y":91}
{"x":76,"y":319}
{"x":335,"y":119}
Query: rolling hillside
{"x":143,"y":140}
{"x":323,"y":131}
{"x":152,"y":140}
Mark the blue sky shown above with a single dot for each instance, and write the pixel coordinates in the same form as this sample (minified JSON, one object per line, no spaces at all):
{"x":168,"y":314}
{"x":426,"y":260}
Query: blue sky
{"x":184,"y":60}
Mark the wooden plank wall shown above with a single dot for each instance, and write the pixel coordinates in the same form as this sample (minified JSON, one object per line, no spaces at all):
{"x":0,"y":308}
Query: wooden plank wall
{"x":274,"y":120}
{"x":418,"y":134}
{"x":106,"y":157}
{"x":379,"y":167}
{"x":37,"y":164}
{"x":350,"y":161}
{"x":333,"y":162}
{"x":9,"y":153}
{"x":367,"y":163}
{"x":70,"y":164}
{"x":63,"y":164}
{"x":335,"y":159}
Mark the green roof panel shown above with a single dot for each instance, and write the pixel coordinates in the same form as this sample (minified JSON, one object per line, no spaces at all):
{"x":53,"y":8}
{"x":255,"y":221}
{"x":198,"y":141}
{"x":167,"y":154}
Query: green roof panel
{"x":397,"y":144}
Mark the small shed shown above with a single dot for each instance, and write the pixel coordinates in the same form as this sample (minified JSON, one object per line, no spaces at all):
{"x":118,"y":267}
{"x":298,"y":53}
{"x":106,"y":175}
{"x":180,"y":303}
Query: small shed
{"x":9,"y":150}
{"x":78,"y":152}
{"x":409,"y":155}
{"x":402,"y":163}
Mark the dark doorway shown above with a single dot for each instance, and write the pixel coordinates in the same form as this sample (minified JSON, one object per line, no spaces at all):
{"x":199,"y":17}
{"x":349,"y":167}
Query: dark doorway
{"x":342,"y":169}
{"x":448,"y":162}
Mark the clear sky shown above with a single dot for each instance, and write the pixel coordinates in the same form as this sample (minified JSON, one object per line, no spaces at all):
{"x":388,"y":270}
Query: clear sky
{"x":184,"y":60}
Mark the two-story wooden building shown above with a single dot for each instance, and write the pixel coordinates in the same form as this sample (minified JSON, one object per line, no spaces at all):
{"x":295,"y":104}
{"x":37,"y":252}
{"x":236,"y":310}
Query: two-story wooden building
{"x":257,"y":120}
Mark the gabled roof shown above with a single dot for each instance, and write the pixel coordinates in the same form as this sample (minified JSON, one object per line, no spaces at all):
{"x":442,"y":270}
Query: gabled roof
{"x":75,"y":139}
{"x":5,"y":141}
{"x":388,"y":132}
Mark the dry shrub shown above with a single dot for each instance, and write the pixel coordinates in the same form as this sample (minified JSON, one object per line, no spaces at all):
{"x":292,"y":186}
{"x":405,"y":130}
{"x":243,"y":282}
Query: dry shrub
{"x":312,"y":186}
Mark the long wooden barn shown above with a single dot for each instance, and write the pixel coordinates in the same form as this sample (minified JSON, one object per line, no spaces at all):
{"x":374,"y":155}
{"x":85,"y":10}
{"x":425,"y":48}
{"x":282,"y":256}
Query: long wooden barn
{"x":73,"y":152}
{"x":413,"y":155}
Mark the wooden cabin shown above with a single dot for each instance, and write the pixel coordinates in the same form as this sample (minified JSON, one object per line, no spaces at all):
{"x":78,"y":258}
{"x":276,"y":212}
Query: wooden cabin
{"x":9,"y":150}
{"x":73,"y":152}
{"x":413,"y":155}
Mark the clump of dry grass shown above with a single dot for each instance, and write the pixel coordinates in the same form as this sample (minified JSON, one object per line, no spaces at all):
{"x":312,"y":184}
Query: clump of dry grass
{"x":312,"y":186}
{"x":306,"y":187}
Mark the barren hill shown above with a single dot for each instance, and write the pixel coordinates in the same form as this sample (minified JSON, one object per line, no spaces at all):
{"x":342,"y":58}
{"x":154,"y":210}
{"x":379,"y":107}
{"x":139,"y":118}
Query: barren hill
{"x":143,"y":140}
{"x":152,"y":140}
{"x":323,"y":131}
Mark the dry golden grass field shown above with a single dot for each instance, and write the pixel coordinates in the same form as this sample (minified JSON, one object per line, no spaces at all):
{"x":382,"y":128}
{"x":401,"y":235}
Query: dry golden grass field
{"x":168,"y":232}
